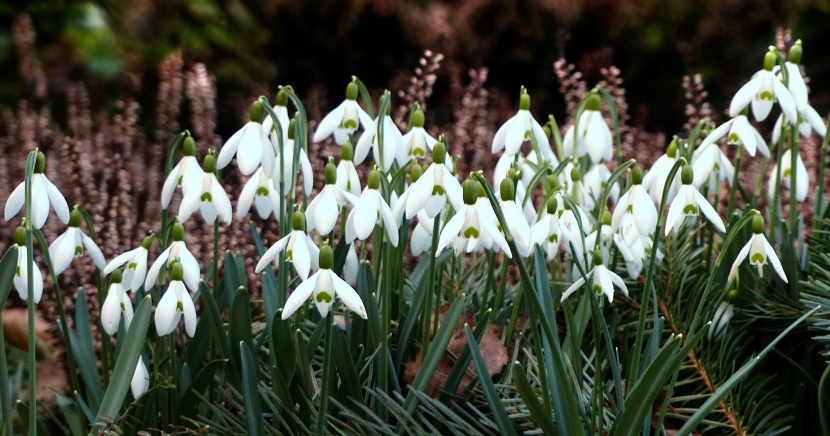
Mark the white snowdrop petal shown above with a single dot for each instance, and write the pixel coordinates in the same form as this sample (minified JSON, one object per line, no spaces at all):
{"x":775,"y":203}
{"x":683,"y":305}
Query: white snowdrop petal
{"x":15,"y":201}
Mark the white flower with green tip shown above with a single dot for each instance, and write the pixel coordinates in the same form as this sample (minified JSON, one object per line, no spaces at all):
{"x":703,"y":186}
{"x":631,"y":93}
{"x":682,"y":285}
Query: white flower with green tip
{"x":603,"y":279}
{"x":520,"y":128}
{"x":299,"y":249}
{"x":711,"y":167}
{"x":386,"y":154}
{"x":21,"y":274}
{"x":762,"y":91}
{"x":177,"y":251}
{"x":739,"y":132}
{"x":759,"y":251}
{"x":637,"y":203}
{"x":655,"y":179}
{"x":345,"y":119}
{"x":281,"y":110}
{"x":324,"y":209}
{"x":594,"y":138}
{"x":116,"y":306}
{"x":434,"y":187}
{"x":347,"y":177}
{"x":514,"y":218}
{"x":250,"y":145}
{"x":71,"y":244}
{"x":175,"y":302}
{"x":185,"y":175}
{"x":471,"y":229}
{"x":802,"y":179}
{"x":260,"y":192}
{"x":211,"y":200}
{"x":141,"y":379}
{"x":690,"y":202}
{"x":44,"y":193}
{"x":288,"y":170}
{"x":371,"y":210}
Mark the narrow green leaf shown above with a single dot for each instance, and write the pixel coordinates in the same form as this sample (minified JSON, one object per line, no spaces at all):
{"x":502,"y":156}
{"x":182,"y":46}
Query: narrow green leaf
{"x":23,"y":410}
{"x":72,"y":413}
{"x":212,"y":316}
{"x":189,"y":401}
{"x":122,"y":375}
{"x":8,"y":266}
{"x":540,"y":415}
{"x":250,"y":380}
{"x":459,"y":368}
{"x":85,"y":353}
{"x":239,"y":322}
{"x":350,"y":382}
{"x":493,"y":399}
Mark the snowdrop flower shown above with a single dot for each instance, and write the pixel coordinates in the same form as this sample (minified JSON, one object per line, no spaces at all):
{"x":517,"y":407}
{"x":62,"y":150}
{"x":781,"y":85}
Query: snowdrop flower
{"x":288,"y":169}
{"x":808,"y":120}
{"x":343,"y":120}
{"x":548,"y":233}
{"x":655,"y":180}
{"x":723,"y":314}
{"x":471,"y":229}
{"x":324,"y":209}
{"x":259,"y":191}
{"x":594,"y":137}
{"x":186,"y":174}
{"x":211,"y":200}
{"x":177,"y":251}
{"x":759,"y":251}
{"x":690,"y":202}
{"x":416,"y":141}
{"x":388,"y":151}
{"x":762,"y":91}
{"x":795,"y":83}
{"x":802,"y":180}
{"x":281,"y":110}
{"x":604,"y":281}
{"x":740,"y":132}
{"x":136,"y":261}
{"x":601,"y":238}
{"x":576,"y":221}
{"x":299,"y":248}
{"x":175,"y":302}
{"x":434,"y":187}
{"x":44,"y":193}
{"x":347,"y":177}
{"x":421,"y":240}
{"x":516,"y":222}
{"x":632,"y":245}
{"x":21,"y":275}
{"x":323,"y":287}
{"x":141,"y":379}
{"x":250,"y":145}
{"x":596,"y":183}
{"x":711,"y":167}
{"x":520,"y":128}
{"x":637,"y":203}
{"x":523,"y":171}
{"x":71,"y":244}
{"x":351,"y":266}
{"x":116,"y":305}
{"x":371,"y":210}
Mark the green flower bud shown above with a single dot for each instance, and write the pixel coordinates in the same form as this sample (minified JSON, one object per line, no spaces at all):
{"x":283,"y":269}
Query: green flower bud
{"x":75,"y":218}
{"x":672,"y":150}
{"x":524,"y":102}
{"x":481,"y":192}
{"x":548,"y":132}
{"x":256,"y":112}
{"x":731,"y":295}
{"x":470,"y":189}
{"x":40,"y":162}
{"x":795,"y":53}
{"x":415,"y":172}
{"x":553,"y":204}
{"x":380,"y":104}
{"x":351,"y":91}
{"x":298,"y":221}
{"x":687,"y":175}
{"x":606,"y":217}
{"x":115,"y":277}
{"x":147,"y":242}
{"x":20,"y":236}
{"x":575,"y":174}
{"x":291,"y":126}
{"x":347,"y":152}
{"x":758,"y":224}
{"x":593,"y":102}
{"x":507,"y":190}
{"x":418,"y":118}
{"x":597,"y":257}
{"x":326,"y":257}
{"x":374,"y":179}
{"x":769,"y":60}
{"x":189,"y":146}
{"x":331,"y":172}
{"x":637,"y":175}
{"x":176,"y":271}
{"x":553,"y":181}
{"x":209,"y":164}
{"x":178,"y":232}
{"x":282,"y":98}
{"x":439,"y":153}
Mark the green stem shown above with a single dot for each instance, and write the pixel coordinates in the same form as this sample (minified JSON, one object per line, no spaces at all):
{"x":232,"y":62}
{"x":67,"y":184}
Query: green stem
{"x":776,"y":209}
{"x":818,"y":210}
{"x":505,"y":264}
{"x":215,"y":256}
{"x":327,"y":370}
{"x":793,"y":173}
{"x":426,"y":311}
{"x":30,"y":300}
{"x":5,"y":396}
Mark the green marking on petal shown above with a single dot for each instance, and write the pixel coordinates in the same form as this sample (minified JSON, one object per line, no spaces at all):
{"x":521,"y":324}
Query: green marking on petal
{"x":471,"y":232}
{"x":122,"y":307}
{"x":690,"y":209}
{"x":630,"y":208}
{"x":79,"y":251}
{"x":350,"y":124}
{"x":132,"y":266}
{"x":757,"y":259}
{"x":438,"y":190}
{"x":766,"y":95}
{"x":179,"y":307}
{"x":180,"y":180}
{"x":554,"y":238}
{"x":262,"y":191}
{"x":597,"y":289}
{"x":527,"y":135}
{"x":17,"y":271}
{"x":787,"y":172}
{"x":734,"y":139}
{"x":207,"y":197}
{"x":323,"y":296}
{"x":418,"y":152}
{"x":289,"y":255}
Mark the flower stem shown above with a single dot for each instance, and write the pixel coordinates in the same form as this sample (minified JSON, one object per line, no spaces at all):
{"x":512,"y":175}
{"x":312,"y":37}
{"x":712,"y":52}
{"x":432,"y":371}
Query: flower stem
{"x":324,"y":394}
{"x":30,"y":300}
{"x":426,"y":313}
{"x":215,"y":256}
{"x":5,"y":400}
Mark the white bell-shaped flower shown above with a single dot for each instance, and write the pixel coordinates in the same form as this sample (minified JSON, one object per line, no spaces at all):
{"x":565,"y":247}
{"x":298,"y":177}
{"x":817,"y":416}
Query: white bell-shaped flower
{"x":71,"y":244}
{"x":632,"y":245}
{"x":417,"y":141}
{"x":514,"y":217}
{"x":603,"y":280}
{"x":177,"y":251}
{"x":323,"y":287}
{"x":421,"y":239}
{"x":385,"y":154}
{"x":655,"y":180}
{"x":44,"y":193}
{"x":759,"y":251}
{"x":808,"y":120}
{"x":594,"y":137}
{"x":711,"y":167}
{"x":520,"y":128}
{"x":211,"y":200}
{"x":723,"y":314}
{"x":250,"y":145}
{"x":637,"y":203}
{"x":802,"y":180}
{"x":141,"y":379}
{"x":288,"y":169}
{"x":434,"y":187}
{"x":739,"y":132}
{"x":548,"y":232}
{"x":185,"y":175}
{"x":762,"y":92}
{"x":347,"y":177}
{"x":21,"y":275}
{"x":324,"y":209}
{"x":371,"y":209}
{"x":595,"y":182}
{"x":471,"y":229}
{"x":343,"y":120}
{"x":690,"y":202}
{"x":136,"y":261}
{"x":259,"y":191}
{"x":116,"y":306}
{"x":175,"y":302}
{"x":299,"y":249}
{"x":281,"y":110}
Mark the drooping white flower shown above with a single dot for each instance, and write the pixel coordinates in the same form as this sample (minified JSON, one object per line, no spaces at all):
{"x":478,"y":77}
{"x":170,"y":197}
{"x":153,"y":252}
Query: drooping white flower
{"x":520,"y":128}
{"x":44,"y":193}
{"x":723,"y":314}
{"x":594,"y":137}
{"x":141,"y":379}
{"x":347,"y":177}
{"x":802,"y":180}
{"x":250,"y":145}
{"x":323,"y":287}
{"x":604,"y":281}
{"x":185,"y":175}
{"x":577,"y":223}
{"x":211,"y":199}
{"x":759,"y":251}
{"x":740,"y":132}
{"x":434,"y":187}
{"x":421,"y":239}
{"x":343,"y":120}
{"x":371,"y":209}
{"x":385,"y":154}
{"x":637,"y":203}
{"x":655,"y":180}
{"x":299,"y":248}
{"x":631,"y":245}
{"x":690,"y":202}
{"x":795,"y":82}
{"x":259,"y":191}
{"x":548,"y":232}
{"x":177,"y":251}
{"x":471,"y":228}
{"x":808,"y":120}
{"x":175,"y":302}
{"x":762,"y":92}
{"x":21,"y":275}
{"x":351,"y":266}
{"x":602,"y":238}
{"x":514,"y":218}
{"x":288,"y":170}
{"x":136,"y":261}
{"x":71,"y":244}
{"x":281,"y":110}
{"x":324,"y":209}
{"x":523,"y":169}
{"x":711,"y":167}
{"x":595,"y":182}
{"x":416,"y":141}
{"x":116,"y":305}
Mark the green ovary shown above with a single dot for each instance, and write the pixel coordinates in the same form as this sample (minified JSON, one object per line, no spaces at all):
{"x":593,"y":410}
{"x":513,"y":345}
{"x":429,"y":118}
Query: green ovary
{"x":471,"y":232}
{"x":323,"y":297}
{"x":206,"y":197}
{"x":690,"y":209}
